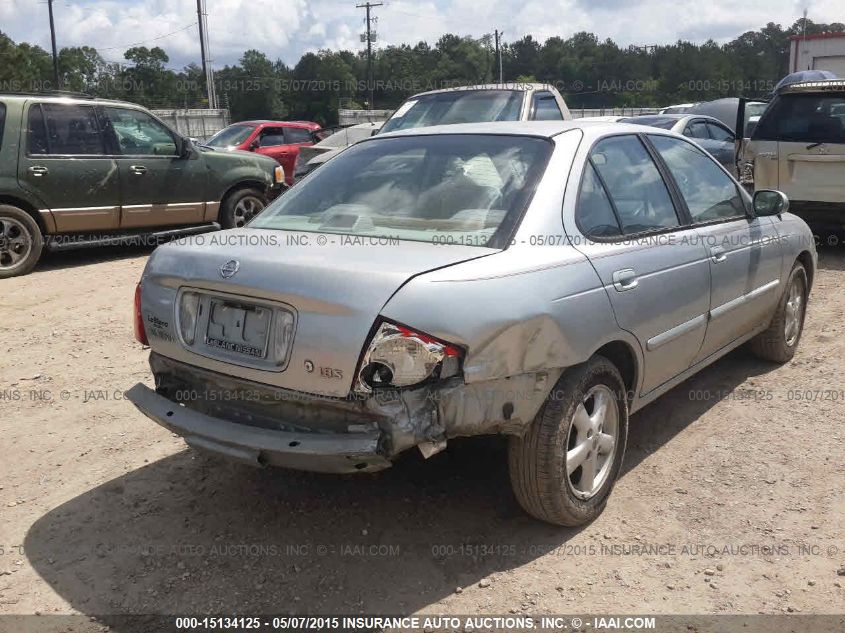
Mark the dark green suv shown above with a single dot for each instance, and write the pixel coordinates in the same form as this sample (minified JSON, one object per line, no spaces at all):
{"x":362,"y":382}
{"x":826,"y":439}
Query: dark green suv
{"x":79,"y":170}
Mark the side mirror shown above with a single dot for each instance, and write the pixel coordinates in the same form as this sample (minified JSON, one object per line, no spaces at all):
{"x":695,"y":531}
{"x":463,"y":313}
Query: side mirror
{"x":184,"y":147}
{"x":770,"y":202}
{"x":254,"y":145}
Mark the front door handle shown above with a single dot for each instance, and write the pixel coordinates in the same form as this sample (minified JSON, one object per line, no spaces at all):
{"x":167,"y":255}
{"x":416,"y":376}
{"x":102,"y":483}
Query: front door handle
{"x":625,"y":279}
{"x":38,"y":171}
{"x":718,"y":255}
{"x":138,"y":170}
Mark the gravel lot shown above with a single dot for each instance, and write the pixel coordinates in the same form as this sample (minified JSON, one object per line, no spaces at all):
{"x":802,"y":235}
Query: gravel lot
{"x":732,"y":498}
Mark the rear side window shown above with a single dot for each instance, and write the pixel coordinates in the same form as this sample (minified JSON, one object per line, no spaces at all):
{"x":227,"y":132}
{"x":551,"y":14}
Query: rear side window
{"x":70,"y":130}
{"x":2,"y":121}
{"x":36,"y":132}
{"x":544,"y":107}
{"x":595,"y":213}
{"x":634,"y":185}
{"x":804,"y":118}
{"x":708,"y":191}
{"x":297,"y":135}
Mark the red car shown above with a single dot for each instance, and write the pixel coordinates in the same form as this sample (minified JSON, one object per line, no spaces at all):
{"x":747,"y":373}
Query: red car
{"x":278,"y":139}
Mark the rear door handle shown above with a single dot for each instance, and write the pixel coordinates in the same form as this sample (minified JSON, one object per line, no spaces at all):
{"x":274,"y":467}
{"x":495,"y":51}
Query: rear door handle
{"x":718,"y":255}
{"x":625,"y":279}
{"x":38,"y":171}
{"x":138,"y":170}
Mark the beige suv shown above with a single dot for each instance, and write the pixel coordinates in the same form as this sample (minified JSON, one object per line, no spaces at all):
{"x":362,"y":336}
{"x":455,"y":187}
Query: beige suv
{"x":798,"y":147}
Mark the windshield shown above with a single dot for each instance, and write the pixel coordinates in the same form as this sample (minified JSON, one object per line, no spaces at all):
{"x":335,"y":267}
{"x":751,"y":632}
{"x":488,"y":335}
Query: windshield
{"x":662,"y":122}
{"x":805,"y":118}
{"x":446,"y":189}
{"x":456,"y":106}
{"x":231,"y":136}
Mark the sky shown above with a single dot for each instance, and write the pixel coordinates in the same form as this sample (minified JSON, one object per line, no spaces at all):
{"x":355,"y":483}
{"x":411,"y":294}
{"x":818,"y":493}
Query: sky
{"x":285,"y":29}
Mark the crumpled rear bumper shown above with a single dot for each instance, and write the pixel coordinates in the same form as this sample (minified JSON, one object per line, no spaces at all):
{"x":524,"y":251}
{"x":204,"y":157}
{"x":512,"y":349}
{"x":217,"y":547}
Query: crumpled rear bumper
{"x":318,"y":452}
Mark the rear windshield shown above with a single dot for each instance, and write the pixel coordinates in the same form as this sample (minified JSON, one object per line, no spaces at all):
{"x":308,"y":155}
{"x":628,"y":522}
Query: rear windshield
{"x":652,"y":121}
{"x":805,"y":118}
{"x":446,"y":189}
{"x":456,"y":106}
{"x":231,"y":136}
{"x":2,"y":121}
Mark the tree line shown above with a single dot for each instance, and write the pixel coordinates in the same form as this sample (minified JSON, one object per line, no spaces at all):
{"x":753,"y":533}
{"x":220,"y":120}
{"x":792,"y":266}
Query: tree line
{"x":589,"y":72}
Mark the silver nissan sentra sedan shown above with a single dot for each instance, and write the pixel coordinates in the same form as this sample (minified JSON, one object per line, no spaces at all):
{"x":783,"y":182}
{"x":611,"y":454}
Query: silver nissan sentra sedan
{"x":543,"y":280}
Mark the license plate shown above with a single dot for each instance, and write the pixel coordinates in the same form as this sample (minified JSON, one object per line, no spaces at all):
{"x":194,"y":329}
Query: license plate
{"x":238,"y":328}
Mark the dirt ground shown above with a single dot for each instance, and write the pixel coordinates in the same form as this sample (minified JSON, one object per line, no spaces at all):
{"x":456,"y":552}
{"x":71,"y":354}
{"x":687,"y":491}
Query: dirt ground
{"x":732,"y":498}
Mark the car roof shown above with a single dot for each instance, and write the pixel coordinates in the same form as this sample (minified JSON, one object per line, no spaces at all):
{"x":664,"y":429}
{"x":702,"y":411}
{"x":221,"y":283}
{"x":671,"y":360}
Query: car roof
{"x":521,"y":86}
{"x":261,"y":122}
{"x":833,"y":85}
{"x":62,"y":97}
{"x":542,"y":129}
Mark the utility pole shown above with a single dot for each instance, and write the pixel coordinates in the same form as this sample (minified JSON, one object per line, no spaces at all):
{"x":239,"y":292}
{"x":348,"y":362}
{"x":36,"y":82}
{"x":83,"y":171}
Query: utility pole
{"x":498,"y":53}
{"x":207,"y":72}
{"x":53,"y":39}
{"x":369,"y":5}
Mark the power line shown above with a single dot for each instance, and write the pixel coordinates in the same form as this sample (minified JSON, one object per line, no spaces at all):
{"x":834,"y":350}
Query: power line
{"x":154,"y":39}
{"x":368,"y":6}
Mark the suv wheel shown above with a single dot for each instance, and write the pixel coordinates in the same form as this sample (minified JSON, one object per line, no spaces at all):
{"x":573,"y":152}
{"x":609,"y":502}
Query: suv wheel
{"x":564,"y":467}
{"x":21,"y":242}
{"x":241,"y":206}
{"x":779,"y":341}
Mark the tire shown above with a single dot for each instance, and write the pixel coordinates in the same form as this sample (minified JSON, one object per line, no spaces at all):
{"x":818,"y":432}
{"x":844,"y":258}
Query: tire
{"x":21,"y":242}
{"x":240,"y":206}
{"x":775,"y":343}
{"x":538,"y":460}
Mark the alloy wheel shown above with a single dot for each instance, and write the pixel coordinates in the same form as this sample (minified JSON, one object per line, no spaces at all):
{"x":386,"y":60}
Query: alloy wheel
{"x":592,"y":441}
{"x":794,"y":312}
{"x":15,"y":242}
{"x":246,"y":209}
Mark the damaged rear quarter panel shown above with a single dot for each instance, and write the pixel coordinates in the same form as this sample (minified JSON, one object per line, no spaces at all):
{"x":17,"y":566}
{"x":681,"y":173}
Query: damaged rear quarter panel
{"x":523,"y":315}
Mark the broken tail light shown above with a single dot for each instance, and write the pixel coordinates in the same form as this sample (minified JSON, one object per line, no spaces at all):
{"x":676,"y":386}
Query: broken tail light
{"x":140,"y":332}
{"x":398,"y":356}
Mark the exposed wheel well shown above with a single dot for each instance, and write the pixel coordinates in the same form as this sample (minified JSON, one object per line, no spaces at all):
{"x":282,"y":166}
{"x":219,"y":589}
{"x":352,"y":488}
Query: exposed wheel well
{"x":22,"y":204}
{"x":807,"y":260}
{"x":621,"y":355}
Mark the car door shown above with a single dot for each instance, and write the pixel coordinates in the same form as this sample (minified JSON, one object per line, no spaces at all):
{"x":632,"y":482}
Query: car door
{"x":159,"y":187}
{"x":296,"y":137}
{"x":722,"y":145}
{"x":653,"y":268}
{"x":744,"y":251}
{"x":64,"y":162}
{"x":270,"y":141}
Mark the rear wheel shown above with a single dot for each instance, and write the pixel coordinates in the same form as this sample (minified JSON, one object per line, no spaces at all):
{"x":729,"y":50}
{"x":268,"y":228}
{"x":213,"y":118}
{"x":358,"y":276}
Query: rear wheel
{"x":564,"y":467}
{"x":21,"y":242}
{"x":779,"y":342}
{"x":241,"y":206}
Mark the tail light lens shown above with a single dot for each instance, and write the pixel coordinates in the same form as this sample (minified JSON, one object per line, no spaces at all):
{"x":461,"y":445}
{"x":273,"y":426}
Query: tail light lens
{"x":140,"y":332}
{"x":189,"y":303}
{"x":401,"y":357}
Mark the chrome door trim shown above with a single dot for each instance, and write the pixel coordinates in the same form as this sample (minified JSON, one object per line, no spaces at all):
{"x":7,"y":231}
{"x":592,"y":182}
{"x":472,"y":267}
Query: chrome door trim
{"x":733,"y":304}
{"x":679,"y":330}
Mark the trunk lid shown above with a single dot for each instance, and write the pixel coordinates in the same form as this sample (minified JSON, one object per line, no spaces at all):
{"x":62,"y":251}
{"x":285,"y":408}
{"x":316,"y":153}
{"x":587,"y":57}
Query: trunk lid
{"x":334,"y":286}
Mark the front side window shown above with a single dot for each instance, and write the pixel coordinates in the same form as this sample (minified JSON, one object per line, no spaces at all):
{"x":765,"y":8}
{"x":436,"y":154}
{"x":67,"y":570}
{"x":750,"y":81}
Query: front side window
{"x":544,"y":107}
{"x":804,"y":118}
{"x":139,"y":134}
{"x":64,"y":130}
{"x":272,"y":137}
{"x":456,"y":106}
{"x":718,"y":133}
{"x":231,"y":136}
{"x":447,"y":189}
{"x":297,"y":135}
{"x":633,"y":184}
{"x":709,"y":192}
{"x":696,"y":129}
